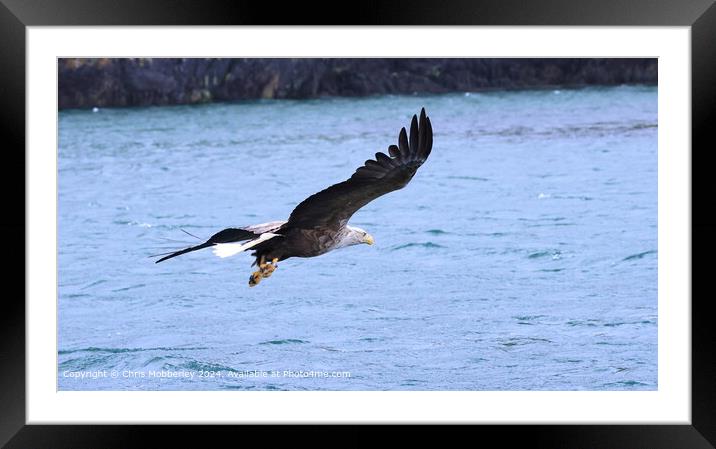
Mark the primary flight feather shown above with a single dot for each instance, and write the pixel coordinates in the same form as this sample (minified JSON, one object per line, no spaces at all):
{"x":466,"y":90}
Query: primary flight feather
{"x":320,"y":222}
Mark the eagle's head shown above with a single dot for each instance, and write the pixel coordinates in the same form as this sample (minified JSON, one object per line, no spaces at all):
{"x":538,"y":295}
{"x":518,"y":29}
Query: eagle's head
{"x":357,"y":236}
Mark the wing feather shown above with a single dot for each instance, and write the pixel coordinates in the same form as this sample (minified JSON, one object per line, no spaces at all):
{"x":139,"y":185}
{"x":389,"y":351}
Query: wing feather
{"x":429,"y":141}
{"x":385,"y":161}
{"x":403,"y":143}
{"x":414,"y":134}
{"x":373,"y":164}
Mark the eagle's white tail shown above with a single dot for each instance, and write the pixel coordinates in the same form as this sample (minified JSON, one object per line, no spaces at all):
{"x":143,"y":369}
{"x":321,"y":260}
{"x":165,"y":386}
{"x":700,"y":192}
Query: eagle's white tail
{"x":229,"y":249}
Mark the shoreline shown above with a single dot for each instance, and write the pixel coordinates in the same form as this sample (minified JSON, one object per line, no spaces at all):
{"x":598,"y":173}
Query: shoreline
{"x":136,"y":82}
{"x":566,"y":88}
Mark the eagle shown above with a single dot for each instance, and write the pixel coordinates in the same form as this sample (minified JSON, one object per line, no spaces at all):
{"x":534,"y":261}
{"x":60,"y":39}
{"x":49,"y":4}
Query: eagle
{"x":319,"y":224}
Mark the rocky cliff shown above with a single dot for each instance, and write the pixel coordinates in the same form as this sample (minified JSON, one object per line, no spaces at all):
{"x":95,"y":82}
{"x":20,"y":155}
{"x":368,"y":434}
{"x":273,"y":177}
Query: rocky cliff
{"x":86,"y":83}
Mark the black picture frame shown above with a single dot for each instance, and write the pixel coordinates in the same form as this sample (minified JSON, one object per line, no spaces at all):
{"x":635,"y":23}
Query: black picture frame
{"x":16,"y":15}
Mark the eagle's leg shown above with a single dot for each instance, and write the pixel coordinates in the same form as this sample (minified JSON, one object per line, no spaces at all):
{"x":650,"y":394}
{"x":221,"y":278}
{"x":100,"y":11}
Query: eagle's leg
{"x":268,"y":269}
{"x":257,"y":275}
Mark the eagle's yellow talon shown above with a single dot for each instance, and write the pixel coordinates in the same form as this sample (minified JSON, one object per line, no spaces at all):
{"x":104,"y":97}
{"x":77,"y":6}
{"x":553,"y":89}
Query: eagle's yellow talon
{"x":268,"y":269}
{"x":255,"y":278}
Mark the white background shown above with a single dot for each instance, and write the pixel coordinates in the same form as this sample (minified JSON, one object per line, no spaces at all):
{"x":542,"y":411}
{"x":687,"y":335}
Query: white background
{"x":670,"y":404}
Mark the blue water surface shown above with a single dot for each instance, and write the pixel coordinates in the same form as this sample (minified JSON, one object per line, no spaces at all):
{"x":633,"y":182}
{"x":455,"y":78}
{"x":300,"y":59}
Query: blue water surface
{"x":522,"y":256}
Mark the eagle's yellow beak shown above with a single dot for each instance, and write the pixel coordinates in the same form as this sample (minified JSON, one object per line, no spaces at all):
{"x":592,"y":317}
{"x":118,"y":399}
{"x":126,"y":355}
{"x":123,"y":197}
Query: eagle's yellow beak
{"x":368,"y":239}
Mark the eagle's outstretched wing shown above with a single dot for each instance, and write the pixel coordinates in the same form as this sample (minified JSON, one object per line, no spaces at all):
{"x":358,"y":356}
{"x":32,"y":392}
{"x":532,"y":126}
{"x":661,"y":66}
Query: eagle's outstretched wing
{"x":333,"y":206}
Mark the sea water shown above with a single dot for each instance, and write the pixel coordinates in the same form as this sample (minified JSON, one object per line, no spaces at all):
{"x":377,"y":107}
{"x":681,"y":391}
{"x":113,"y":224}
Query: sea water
{"x":522,"y":255}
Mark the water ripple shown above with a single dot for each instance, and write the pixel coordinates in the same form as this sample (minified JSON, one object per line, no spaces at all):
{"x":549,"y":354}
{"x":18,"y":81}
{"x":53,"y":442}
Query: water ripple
{"x":428,"y":245}
{"x":123,"y":350}
{"x":639,"y":255}
{"x":283,"y":342}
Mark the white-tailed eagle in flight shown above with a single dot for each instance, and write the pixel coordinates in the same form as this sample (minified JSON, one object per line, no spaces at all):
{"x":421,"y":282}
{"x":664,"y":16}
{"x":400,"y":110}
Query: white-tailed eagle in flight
{"x":320,"y":223}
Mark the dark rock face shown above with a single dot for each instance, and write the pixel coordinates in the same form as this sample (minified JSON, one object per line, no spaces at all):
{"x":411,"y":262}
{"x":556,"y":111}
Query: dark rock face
{"x":85,"y":83}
